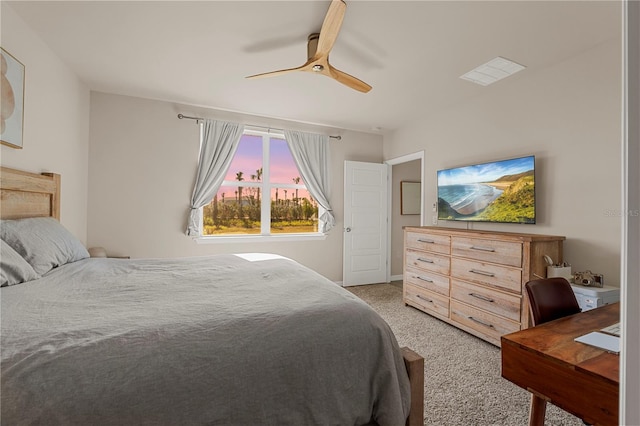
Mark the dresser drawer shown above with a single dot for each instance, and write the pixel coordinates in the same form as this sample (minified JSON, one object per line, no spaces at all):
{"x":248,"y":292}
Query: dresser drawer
{"x":428,"y":261}
{"x":488,"y":325}
{"x":427,"y":280}
{"x":487,"y":273}
{"x":503,"y":252}
{"x":428,"y":242}
{"x":426,"y":300}
{"x":496,"y":302}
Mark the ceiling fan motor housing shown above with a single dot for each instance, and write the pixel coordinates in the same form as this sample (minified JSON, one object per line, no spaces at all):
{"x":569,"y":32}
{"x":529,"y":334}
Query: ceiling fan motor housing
{"x":312,"y":44}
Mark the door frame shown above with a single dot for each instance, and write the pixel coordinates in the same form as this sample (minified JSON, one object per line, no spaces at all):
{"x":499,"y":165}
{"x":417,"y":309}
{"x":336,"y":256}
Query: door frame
{"x":390,"y":163}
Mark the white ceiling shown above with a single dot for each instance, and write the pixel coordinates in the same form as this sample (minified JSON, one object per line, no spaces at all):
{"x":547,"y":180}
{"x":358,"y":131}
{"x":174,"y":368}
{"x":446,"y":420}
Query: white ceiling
{"x":412,"y":53}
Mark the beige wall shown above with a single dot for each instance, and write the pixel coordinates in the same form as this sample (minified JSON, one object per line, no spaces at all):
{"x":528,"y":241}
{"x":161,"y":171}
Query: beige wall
{"x":569,"y":117}
{"x":142,"y":163}
{"x":409,"y":171}
{"x":56,"y":120}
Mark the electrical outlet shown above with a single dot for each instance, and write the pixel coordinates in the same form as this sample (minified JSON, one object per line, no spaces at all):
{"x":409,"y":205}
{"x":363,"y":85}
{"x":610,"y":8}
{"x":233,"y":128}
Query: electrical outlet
{"x":434,"y":220}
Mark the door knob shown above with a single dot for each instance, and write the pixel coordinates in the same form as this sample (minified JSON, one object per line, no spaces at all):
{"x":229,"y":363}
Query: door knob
{"x":348,"y":229}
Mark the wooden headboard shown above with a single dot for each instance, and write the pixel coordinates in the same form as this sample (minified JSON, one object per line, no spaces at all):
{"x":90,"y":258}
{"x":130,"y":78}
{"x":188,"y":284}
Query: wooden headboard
{"x":24,"y":194}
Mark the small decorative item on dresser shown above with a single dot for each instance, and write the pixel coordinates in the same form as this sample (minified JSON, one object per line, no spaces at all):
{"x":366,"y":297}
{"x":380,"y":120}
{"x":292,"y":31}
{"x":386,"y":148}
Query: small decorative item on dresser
{"x":561,"y":270}
{"x":589,"y":279}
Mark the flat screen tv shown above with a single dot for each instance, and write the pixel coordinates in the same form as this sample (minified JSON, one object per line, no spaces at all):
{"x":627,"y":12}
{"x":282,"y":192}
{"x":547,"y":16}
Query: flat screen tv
{"x":499,"y":191}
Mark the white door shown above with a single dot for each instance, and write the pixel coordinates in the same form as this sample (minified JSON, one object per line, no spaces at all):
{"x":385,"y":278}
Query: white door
{"x":365,"y":223}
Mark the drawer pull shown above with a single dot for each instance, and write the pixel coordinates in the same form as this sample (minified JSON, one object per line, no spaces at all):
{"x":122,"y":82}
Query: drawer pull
{"x":481,"y":297}
{"x":424,"y":279}
{"x":422,"y":259}
{"x":480,"y":248}
{"x":480,"y":322}
{"x":479,"y":272}
{"x":421,"y":240}
{"x":422,"y":298}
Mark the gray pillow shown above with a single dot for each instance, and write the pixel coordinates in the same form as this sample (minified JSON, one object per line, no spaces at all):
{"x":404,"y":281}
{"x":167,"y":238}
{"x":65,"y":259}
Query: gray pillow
{"x":13,"y":268}
{"x":43,"y":242}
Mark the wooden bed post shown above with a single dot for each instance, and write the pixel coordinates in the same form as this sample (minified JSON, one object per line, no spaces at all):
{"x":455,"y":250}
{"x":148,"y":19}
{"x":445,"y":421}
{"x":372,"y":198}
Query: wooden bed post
{"x":415,"y":369}
{"x":55,"y":197}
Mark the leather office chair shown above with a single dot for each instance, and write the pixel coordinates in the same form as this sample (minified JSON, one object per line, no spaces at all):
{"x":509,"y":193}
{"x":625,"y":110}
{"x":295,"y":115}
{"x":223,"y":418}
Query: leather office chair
{"x":549,"y":299}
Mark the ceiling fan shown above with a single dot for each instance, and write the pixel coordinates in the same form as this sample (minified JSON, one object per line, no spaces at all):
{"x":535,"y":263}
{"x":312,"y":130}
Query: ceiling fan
{"x":319,"y":46}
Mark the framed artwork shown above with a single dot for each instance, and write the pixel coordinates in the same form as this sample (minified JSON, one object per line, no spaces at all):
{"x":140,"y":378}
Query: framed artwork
{"x":410,"y":198}
{"x":12,"y":110}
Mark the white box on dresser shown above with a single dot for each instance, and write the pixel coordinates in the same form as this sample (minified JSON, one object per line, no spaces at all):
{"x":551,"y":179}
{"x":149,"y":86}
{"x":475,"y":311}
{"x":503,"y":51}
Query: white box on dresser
{"x":472,"y":279}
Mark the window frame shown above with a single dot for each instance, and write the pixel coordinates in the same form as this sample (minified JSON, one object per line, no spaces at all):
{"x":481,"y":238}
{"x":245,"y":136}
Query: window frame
{"x":266,"y":186}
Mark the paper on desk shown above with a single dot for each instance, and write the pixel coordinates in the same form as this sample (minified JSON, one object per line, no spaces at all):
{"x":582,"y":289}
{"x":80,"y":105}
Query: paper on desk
{"x":601,"y":340}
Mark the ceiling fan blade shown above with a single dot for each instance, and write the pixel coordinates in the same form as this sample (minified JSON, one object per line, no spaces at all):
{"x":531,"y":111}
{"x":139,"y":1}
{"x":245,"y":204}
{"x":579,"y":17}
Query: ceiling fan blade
{"x":349,"y":80}
{"x":331,"y":27}
{"x":274,"y":73}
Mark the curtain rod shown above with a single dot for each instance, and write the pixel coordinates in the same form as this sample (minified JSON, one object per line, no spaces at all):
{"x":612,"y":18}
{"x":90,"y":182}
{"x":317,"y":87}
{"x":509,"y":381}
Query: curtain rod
{"x":181,"y":116}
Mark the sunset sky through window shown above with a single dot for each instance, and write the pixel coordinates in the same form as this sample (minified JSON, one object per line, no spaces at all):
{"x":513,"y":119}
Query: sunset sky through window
{"x":248,"y":159}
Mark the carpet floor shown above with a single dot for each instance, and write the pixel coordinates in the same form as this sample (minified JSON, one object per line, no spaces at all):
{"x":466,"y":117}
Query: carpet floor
{"x":463,"y":385}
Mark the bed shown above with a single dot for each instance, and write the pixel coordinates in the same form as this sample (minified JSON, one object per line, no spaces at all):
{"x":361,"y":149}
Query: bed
{"x":241,"y":339}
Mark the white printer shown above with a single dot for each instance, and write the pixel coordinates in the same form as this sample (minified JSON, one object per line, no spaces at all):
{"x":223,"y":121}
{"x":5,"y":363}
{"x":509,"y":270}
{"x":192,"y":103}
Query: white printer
{"x":593,"y":297}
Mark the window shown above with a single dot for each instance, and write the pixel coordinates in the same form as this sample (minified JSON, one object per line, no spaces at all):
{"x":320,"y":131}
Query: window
{"x":262,"y":193}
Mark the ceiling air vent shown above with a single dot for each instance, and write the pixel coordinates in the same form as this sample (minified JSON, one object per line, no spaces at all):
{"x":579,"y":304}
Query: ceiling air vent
{"x":494,"y":70}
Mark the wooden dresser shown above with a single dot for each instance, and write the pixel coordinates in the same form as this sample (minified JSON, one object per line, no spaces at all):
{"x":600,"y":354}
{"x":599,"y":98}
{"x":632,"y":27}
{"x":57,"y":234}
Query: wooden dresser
{"x":472,"y":279}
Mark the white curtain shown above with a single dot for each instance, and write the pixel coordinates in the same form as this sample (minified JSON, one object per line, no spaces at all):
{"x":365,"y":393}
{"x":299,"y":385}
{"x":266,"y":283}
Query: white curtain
{"x":219,"y":143}
{"x":311,"y":153}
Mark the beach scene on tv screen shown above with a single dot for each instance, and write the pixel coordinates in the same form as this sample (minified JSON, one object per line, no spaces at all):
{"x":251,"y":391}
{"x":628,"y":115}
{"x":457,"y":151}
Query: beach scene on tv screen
{"x":500,"y":191}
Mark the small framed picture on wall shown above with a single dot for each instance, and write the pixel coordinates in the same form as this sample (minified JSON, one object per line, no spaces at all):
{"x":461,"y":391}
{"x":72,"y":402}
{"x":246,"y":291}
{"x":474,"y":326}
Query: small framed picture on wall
{"x":12,"y":110}
{"x":410,"y":198}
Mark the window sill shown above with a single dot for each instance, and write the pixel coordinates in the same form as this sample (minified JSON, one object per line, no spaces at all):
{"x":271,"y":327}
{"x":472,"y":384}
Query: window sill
{"x":258,"y":238}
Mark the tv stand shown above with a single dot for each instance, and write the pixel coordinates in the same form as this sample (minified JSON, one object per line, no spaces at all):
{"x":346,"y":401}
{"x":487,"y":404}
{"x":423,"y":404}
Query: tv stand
{"x":472,"y":279}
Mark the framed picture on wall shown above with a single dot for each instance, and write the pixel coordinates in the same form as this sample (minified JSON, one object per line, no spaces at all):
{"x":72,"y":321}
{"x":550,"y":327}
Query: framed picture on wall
{"x":410,"y":197}
{"x":12,"y":111}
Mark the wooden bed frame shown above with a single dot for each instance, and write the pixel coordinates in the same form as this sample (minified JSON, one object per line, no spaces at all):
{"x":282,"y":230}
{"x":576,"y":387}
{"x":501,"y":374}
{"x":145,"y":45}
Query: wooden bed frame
{"x":25,"y":194}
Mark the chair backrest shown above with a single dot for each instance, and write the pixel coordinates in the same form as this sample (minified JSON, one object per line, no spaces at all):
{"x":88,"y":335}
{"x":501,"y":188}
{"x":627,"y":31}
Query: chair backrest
{"x":550,"y":299}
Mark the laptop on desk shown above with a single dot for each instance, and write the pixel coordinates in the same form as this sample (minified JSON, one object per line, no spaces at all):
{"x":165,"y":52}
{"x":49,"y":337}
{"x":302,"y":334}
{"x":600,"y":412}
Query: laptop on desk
{"x":608,"y":338}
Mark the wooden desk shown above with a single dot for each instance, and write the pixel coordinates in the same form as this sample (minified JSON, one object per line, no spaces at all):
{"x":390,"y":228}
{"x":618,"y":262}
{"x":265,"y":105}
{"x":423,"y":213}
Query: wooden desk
{"x":580,"y":379}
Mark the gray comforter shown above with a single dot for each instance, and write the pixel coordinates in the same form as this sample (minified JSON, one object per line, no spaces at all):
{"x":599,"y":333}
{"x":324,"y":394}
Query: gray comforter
{"x":226,"y":340}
